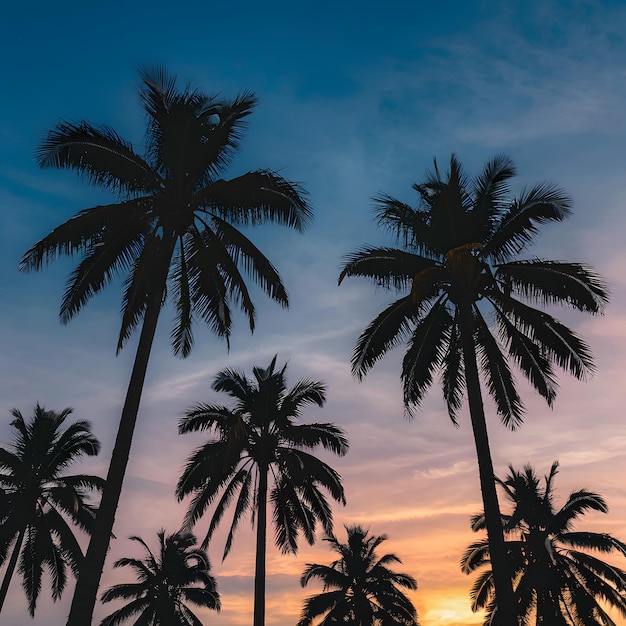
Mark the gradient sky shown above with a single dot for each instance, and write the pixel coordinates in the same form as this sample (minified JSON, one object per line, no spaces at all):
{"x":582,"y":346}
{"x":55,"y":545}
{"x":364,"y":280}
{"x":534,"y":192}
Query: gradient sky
{"x":355,"y":99}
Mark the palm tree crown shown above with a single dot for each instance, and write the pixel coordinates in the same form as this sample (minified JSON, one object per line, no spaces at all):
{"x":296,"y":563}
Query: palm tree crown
{"x":556,"y":580}
{"x":457,"y":262}
{"x":359,"y":587}
{"x":41,"y":501}
{"x":173,"y":231}
{"x":178,"y":574}
{"x":458,"y":253}
{"x":175,"y":213}
{"x":255,"y":438}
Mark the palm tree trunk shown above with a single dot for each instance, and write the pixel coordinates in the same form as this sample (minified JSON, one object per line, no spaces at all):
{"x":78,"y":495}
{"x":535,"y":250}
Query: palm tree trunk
{"x":8,"y":574}
{"x":261,"y":549}
{"x":497,"y":549}
{"x":86,"y":591}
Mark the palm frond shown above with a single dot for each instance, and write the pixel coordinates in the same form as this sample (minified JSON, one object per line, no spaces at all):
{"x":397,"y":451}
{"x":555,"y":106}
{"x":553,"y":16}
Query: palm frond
{"x":425,"y":353}
{"x":182,"y":335}
{"x":387,"y":330}
{"x":558,"y":343}
{"x":329,"y":576}
{"x":100,"y":154}
{"x":30,"y":568}
{"x":236,"y":384}
{"x":127,"y":612}
{"x":491,"y":188}
{"x":141,"y":283}
{"x":500,"y":381}
{"x":201,"y":596}
{"x":529,"y":357}
{"x":82,"y":233}
{"x":318,"y":605}
{"x":257,"y":197}
{"x":241,"y":507}
{"x":124,"y":591}
{"x":220,"y":140}
{"x":602,"y":542}
{"x":517,"y":228}
{"x":385,"y":267}
{"x":254,"y":262}
{"x":307,"y":468}
{"x":289,"y":515}
{"x":208,"y":287}
{"x":555,"y":282}
{"x":329,"y":436}
{"x":305,"y":391}
{"x":475,"y":556}
{"x":410,"y":226}
{"x":67,"y":545}
{"x":453,"y":373}
{"x":578,"y":503}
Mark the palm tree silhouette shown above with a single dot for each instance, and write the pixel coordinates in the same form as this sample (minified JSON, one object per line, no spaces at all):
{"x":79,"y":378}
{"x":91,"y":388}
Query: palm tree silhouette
{"x":41,"y":501}
{"x":555,"y":582}
{"x":176,"y":222}
{"x":359,"y":587}
{"x":255,"y":439}
{"x":178,"y":574}
{"x":458,"y":259}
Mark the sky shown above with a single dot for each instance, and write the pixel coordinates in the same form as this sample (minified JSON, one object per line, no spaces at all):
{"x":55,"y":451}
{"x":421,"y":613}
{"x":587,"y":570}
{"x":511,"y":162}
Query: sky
{"x":354,"y":99}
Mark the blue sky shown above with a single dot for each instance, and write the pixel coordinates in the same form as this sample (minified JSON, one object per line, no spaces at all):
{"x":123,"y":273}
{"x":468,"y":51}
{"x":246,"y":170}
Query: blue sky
{"x":354,"y":99}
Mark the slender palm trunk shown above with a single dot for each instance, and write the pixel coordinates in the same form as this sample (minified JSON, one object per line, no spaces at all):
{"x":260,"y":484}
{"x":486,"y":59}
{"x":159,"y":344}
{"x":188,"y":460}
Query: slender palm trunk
{"x":86,"y":591}
{"x":261,"y":549}
{"x":493,"y":520}
{"x":8,"y":574}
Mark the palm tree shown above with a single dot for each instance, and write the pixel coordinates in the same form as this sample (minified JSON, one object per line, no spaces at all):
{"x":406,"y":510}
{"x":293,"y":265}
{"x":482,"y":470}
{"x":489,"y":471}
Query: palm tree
{"x":457,"y":262}
{"x":359,"y":588}
{"x":40,"y":502}
{"x":555,"y":582}
{"x":178,"y":574}
{"x":173,"y":231}
{"x":256,"y":438}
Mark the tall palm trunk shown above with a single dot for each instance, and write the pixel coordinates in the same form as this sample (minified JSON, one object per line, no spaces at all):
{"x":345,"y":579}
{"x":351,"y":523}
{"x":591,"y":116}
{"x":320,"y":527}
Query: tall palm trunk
{"x":86,"y":591}
{"x":261,"y":548}
{"x":8,"y":574}
{"x":504,"y":590}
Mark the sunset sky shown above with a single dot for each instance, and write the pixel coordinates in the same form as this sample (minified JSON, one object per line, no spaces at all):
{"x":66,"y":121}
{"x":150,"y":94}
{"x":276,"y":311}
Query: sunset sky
{"x":355,"y":98}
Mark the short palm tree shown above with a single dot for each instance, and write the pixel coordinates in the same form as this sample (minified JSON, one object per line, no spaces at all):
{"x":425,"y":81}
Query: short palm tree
{"x":178,"y":574}
{"x":258,"y":438}
{"x":556,"y":580}
{"x":41,"y":502}
{"x":359,"y":587}
{"x":173,"y":231}
{"x":456,"y":264}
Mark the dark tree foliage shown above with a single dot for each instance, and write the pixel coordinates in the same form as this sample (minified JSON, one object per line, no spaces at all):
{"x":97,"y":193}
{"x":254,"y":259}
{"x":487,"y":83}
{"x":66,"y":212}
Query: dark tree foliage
{"x":456,"y":269}
{"x":359,"y":587}
{"x":260,"y":450}
{"x":41,"y":502}
{"x":557,"y":578}
{"x":165,"y":583}
{"x":173,"y":232}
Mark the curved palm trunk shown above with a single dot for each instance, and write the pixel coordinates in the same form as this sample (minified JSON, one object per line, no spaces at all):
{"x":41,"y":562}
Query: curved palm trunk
{"x":86,"y":591}
{"x":497,"y":549}
{"x":8,"y":574}
{"x":261,"y":549}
